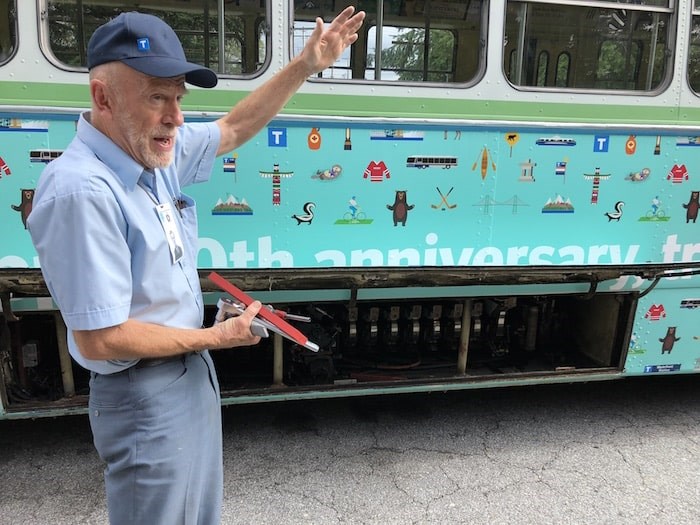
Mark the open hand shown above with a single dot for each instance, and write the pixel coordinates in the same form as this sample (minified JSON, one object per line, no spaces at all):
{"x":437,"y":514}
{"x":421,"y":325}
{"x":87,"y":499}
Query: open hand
{"x":324,"y":47}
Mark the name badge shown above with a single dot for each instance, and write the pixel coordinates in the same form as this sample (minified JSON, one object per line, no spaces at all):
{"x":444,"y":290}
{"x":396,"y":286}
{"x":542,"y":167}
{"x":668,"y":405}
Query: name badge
{"x":172,"y":234}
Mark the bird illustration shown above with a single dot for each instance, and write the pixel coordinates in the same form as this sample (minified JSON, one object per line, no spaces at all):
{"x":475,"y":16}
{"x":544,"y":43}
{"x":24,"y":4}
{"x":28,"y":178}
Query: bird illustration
{"x":308,"y":214}
{"x":615,"y":215}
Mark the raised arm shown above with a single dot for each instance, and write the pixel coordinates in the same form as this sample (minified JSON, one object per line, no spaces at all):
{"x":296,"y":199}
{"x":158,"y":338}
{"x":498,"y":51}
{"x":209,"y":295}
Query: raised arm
{"x":322,"y":49}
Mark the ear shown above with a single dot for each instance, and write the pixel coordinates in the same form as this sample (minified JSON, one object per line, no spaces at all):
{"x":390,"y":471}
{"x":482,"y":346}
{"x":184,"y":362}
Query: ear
{"x":101,"y":96}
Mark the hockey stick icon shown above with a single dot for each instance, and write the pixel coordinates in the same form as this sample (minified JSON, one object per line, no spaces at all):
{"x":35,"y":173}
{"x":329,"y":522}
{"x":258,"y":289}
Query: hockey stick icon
{"x":443,"y":202}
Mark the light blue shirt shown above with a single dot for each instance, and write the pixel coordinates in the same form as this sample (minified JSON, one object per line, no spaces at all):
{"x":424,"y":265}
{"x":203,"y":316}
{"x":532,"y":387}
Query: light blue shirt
{"x":103,"y":251}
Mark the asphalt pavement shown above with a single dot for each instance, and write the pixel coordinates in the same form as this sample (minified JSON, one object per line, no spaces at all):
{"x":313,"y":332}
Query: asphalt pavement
{"x":619,"y":452}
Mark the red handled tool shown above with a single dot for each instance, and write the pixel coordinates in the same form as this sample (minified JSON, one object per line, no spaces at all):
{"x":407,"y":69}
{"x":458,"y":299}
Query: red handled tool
{"x":273,"y":321}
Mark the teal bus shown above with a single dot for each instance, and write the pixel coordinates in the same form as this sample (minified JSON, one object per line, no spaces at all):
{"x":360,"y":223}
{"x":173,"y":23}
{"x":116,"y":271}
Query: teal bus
{"x":561,"y":245}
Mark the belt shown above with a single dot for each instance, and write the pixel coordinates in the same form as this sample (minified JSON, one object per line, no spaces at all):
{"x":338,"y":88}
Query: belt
{"x":147,"y":362}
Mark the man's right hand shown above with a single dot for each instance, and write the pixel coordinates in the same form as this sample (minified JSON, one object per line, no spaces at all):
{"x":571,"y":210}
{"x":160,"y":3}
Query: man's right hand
{"x":235,"y":331}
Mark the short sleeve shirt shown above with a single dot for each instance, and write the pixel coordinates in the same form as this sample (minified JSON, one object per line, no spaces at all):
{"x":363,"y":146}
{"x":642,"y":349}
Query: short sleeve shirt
{"x":103,"y":250}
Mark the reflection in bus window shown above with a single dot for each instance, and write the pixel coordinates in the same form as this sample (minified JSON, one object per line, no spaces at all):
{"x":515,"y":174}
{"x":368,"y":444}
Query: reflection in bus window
{"x":8,"y":29}
{"x":243,"y":43}
{"x":618,"y":64}
{"x":561,"y":78}
{"x":694,"y":51}
{"x":542,"y":68}
{"x":410,"y":41}
{"x":597,"y":47}
{"x":411,"y":54}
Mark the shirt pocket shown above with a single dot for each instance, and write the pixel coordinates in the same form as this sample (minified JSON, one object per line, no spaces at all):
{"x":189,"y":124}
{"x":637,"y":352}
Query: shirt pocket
{"x":188,"y":213}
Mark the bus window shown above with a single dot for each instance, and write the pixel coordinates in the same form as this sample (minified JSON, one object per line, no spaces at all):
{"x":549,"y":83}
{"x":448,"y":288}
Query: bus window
{"x":411,"y":54}
{"x":694,"y":54}
{"x":622,"y":47}
{"x":8,"y":29}
{"x":405,"y":41}
{"x":239,"y":48}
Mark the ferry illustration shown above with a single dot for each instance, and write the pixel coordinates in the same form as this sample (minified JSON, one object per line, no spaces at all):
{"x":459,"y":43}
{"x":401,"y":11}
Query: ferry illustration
{"x":18,"y":124}
{"x":555,"y":141}
{"x":688,"y":141}
{"x":395,"y":134}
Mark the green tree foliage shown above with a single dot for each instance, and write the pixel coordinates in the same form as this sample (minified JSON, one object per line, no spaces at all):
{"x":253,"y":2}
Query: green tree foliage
{"x":407,"y":55}
{"x":72,"y":23}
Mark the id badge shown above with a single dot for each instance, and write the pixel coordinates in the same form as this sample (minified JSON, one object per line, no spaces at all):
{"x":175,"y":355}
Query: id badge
{"x":172,"y":234}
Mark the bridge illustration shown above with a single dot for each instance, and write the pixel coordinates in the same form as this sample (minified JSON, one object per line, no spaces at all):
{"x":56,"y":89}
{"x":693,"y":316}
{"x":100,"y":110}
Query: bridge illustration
{"x":487,"y":203}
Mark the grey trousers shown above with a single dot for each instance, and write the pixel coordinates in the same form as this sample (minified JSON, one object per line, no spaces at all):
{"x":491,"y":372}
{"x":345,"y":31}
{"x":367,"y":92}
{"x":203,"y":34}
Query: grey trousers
{"x":158,"y":429}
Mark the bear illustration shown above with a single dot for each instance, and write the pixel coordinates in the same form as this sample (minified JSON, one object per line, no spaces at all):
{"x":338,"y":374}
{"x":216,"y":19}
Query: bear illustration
{"x":669,"y":340}
{"x":692,"y":207}
{"x":400,"y":208}
{"x":25,"y":207}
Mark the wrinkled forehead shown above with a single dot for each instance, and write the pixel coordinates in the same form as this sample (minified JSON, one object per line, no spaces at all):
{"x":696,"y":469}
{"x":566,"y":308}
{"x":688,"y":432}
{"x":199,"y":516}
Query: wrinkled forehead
{"x":130,"y":79}
{"x":173,"y":83}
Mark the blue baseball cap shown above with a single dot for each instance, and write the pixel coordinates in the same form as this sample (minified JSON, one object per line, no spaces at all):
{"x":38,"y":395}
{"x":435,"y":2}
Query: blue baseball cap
{"x":146,"y":44}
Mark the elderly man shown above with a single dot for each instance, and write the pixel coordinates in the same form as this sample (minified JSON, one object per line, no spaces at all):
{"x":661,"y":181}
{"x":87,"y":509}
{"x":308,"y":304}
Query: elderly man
{"x":117,"y":241}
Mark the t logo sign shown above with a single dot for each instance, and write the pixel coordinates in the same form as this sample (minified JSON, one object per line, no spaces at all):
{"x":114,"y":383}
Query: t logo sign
{"x":143,"y":44}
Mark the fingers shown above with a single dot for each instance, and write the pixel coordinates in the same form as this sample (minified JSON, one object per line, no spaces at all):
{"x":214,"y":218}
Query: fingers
{"x":347,"y":14}
{"x":343,"y":16}
{"x":235,"y":331}
{"x":252,"y":309}
{"x":347,"y":23}
{"x":249,"y":314}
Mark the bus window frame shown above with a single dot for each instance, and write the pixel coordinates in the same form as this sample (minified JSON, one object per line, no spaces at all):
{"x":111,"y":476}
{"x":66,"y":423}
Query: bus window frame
{"x":671,"y":45}
{"x":264,"y":23}
{"x":694,"y":12}
{"x":478,"y":76}
{"x":12,"y":22}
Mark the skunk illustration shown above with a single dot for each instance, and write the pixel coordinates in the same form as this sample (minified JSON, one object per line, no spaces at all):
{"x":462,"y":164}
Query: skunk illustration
{"x":615,"y":215}
{"x":308,"y":214}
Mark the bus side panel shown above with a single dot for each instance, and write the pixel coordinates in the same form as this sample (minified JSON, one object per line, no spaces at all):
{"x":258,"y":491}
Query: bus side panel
{"x":309,"y":196}
{"x":27,"y":144}
{"x":666,"y":337}
{"x":314,"y":195}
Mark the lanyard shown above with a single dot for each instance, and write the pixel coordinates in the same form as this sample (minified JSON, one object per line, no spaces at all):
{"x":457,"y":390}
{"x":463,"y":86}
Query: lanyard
{"x":167,"y":221}
{"x":152,"y":195}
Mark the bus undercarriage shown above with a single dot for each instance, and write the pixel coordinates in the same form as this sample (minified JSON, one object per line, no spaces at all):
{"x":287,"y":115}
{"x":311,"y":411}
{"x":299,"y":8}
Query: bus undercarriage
{"x":379,"y":331}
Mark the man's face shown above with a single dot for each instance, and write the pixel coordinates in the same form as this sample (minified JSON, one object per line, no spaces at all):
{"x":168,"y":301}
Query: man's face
{"x":147,"y":116}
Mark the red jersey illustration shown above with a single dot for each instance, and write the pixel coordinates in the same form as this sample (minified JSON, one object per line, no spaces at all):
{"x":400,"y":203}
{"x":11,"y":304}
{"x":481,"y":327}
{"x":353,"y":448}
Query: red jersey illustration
{"x":655,"y":312}
{"x":376,"y":171}
{"x":677,"y":174}
{"x":4,"y":168}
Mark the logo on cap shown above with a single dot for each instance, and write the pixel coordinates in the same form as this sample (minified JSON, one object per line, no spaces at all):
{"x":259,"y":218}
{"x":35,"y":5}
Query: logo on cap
{"x":143,"y":44}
